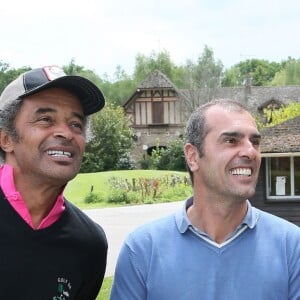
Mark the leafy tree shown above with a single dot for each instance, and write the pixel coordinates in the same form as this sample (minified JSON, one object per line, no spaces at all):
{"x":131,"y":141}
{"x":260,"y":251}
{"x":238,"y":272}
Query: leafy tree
{"x":261,"y":72}
{"x":205,"y":75}
{"x":111,"y":140}
{"x":118,"y":90}
{"x":72,"y":68}
{"x":289,"y":75}
{"x":172,"y":158}
{"x":208,"y":71}
{"x":156,"y":61}
{"x":233,"y":77}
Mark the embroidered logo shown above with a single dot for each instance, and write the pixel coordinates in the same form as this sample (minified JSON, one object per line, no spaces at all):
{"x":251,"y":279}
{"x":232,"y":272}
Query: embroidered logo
{"x":63,"y":289}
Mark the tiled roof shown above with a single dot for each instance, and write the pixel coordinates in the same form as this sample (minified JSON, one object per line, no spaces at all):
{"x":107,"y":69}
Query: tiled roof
{"x":156,"y":79}
{"x":281,"y":138}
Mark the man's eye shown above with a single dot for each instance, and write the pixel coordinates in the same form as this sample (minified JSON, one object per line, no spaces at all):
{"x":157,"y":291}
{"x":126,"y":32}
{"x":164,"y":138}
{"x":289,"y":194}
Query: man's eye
{"x":230,"y":140}
{"x":77,"y":125}
{"x":256,"y":142}
{"x":45,"y":119}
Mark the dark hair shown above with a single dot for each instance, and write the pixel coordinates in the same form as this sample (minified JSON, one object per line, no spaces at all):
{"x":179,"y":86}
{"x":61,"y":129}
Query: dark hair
{"x":197,"y":127}
{"x":7,"y":121}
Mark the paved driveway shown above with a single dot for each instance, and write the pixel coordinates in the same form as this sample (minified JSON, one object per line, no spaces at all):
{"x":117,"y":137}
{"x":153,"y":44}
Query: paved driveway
{"x":118,"y":222}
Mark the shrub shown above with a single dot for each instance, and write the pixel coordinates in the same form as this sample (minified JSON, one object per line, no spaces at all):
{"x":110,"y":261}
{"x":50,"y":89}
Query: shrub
{"x":145,"y":164}
{"x":118,"y":196}
{"x":125,"y":162}
{"x":92,"y":198}
{"x":172,"y":158}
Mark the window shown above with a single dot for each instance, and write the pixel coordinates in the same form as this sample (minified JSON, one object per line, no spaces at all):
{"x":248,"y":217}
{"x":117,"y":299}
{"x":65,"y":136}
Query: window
{"x":283,"y":178}
{"x":157,"y":113}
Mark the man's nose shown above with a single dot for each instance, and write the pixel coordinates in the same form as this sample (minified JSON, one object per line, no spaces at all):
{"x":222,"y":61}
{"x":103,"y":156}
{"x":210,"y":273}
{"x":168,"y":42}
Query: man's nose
{"x":248,"y":150}
{"x":63,"y":130}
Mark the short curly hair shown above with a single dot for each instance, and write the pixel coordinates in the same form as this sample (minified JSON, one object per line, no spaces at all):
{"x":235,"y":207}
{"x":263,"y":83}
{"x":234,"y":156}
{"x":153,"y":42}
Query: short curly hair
{"x":7,"y":122}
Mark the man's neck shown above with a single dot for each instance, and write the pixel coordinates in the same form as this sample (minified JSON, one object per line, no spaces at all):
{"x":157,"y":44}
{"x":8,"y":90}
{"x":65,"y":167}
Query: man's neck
{"x":217,"y":220}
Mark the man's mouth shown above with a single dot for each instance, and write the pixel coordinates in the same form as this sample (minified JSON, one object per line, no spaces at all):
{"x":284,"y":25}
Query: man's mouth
{"x":57,"y":153}
{"x":241,"y":171}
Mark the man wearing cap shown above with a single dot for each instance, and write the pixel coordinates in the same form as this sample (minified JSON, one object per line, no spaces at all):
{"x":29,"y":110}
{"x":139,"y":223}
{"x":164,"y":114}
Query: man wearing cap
{"x":49,"y":248}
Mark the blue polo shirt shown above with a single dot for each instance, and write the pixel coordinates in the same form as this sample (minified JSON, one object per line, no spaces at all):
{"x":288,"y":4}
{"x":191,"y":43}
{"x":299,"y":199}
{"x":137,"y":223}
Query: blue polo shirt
{"x":170,"y":259}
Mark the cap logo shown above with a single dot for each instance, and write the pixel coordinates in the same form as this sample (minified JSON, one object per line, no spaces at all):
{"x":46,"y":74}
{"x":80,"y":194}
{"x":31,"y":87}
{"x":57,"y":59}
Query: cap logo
{"x":53,"y":72}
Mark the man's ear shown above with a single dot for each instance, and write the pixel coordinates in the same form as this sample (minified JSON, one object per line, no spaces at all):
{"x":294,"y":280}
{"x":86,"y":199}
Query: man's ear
{"x":5,"y":141}
{"x":192,"y":156}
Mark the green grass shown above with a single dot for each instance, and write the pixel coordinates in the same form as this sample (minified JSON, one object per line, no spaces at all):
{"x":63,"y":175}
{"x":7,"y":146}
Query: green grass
{"x":105,"y":289}
{"x":80,"y":186}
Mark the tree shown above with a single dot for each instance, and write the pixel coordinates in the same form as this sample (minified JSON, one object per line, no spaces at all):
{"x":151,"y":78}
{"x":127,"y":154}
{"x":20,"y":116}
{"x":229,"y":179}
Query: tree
{"x":156,"y":61}
{"x":201,"y":79}
{"x":72,"y":68}
{"x":172,"y":158}
{"x":111,"y":140}
{"x":261,"y":72}
{"x":289,"y":75}
{"x":120,"y":88}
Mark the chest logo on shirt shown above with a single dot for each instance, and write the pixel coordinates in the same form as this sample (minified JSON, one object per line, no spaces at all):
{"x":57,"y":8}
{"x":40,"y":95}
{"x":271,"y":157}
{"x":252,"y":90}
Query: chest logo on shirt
{"x":63,"y":289}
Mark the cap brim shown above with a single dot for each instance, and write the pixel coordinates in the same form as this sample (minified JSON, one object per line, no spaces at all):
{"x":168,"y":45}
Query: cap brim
{"x":89,"y":95}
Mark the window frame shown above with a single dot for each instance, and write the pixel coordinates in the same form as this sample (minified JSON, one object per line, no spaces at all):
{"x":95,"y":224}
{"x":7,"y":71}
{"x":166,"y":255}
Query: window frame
{"x":281,"y":198}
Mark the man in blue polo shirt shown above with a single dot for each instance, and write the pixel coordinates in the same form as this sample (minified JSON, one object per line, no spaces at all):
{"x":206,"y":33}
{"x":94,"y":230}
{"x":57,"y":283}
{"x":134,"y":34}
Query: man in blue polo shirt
{"x":218,"y":246}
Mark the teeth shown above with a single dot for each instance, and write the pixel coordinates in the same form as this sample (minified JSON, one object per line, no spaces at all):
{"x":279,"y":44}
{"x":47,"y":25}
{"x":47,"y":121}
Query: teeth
{"x":241,"y":171}
{"x":58,"y":153}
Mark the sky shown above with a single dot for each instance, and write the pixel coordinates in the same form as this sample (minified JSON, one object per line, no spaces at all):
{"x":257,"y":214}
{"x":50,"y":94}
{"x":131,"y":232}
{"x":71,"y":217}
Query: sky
{"x":103,"y":34}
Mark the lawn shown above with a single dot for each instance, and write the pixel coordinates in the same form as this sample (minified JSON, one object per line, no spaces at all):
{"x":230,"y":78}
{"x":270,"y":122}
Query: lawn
{"x":82,"y":184}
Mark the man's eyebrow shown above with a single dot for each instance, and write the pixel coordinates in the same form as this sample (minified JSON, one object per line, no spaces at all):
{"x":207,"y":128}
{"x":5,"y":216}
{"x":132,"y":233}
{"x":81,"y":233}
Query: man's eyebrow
{"x":232,"y":134}
{"x":43,"y":110}
{"x":239,"y":134}
{"x":256,"y":136}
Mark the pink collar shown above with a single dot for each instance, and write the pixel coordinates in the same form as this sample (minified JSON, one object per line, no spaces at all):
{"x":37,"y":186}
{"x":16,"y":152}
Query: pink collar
{"x":15,"y":199}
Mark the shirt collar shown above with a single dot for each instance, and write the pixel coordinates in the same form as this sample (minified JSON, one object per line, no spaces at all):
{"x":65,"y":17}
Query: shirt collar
{"x":183,"y":221}
{"x":16,"y":201}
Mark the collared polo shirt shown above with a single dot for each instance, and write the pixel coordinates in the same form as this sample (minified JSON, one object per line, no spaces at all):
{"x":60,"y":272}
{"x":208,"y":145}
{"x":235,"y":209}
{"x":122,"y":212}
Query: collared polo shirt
{"x":184,"y":224}
{"x":16,"y":201}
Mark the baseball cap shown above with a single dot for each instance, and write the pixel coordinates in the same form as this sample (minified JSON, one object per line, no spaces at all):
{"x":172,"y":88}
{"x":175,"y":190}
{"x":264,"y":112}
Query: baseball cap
{"x":36,"y":80}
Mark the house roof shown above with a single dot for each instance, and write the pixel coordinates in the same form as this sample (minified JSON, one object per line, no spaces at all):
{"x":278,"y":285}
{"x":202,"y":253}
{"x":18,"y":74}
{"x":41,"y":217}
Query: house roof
{"x":281,"y":138}
{"x":158,"y":80}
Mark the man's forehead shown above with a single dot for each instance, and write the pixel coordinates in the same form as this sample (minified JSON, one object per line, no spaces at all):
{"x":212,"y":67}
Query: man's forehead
{"x":222,"y":120}
{"x":222,"y":114}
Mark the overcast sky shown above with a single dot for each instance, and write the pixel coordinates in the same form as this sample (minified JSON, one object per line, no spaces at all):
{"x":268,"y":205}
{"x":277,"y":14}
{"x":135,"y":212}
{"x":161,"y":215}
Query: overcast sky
{"x":100,"y":34}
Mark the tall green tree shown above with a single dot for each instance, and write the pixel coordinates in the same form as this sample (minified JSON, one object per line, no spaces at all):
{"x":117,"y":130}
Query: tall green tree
{"x":111,"y":140}
{"x":260,"y":71}
{"x":144,"y":65}
{"x":289,"y":75}
{"x":72,"y":68}
{"x":205,"y":75}
{"x":118,"y":89}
